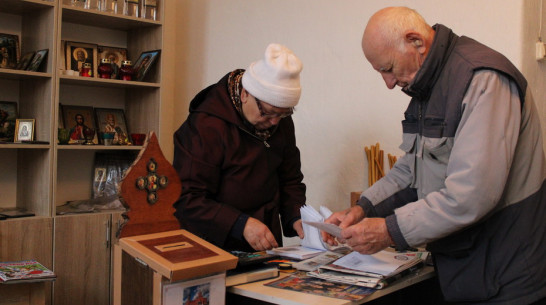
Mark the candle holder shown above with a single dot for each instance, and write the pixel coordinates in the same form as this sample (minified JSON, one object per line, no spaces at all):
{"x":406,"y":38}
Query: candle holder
{"x":89,"y":134}
{"x":64,"y":136}
{"x":105,"y":68}
{"x":86,"y":70}
{"x":126,"y":72}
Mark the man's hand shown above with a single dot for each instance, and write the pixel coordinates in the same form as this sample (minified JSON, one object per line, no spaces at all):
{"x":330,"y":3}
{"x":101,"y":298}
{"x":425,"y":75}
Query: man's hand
{"x":343,"y":219}
{"x":298,"y":227}
{"x":368,"y":236}
{"x":258,"y":235}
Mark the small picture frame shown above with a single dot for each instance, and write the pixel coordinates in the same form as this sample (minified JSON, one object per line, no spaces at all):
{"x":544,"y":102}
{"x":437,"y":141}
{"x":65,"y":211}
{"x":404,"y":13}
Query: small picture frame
{"x":37,"y":60}
{"x":77,"y":54}
{"x":111,"y":120}
{"x":116,"y":56}
{"x":76,"y":119}
{"x":9,"y":51}
{"x":206,"y":290}
{"x":100,"y":174}
{"x":25,"y":61}
{"x":8,"y":116}
{"x":144,"y":63}
{"x":24,"y":130}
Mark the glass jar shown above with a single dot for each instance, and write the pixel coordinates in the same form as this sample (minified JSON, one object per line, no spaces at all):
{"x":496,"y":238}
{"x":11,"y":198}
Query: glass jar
{"x":105,"y":68}
{"x":78,"y":3}
{"x":149,"y":9}
{"x":109,"y":6}
{"x":86,"y":70}
{"x":131,"y":8}
{"x":92,"y":4}
{"x":126,"y":72}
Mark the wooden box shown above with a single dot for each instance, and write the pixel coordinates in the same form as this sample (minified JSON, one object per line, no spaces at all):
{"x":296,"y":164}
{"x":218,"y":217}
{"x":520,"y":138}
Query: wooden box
{"x":154,"y":268}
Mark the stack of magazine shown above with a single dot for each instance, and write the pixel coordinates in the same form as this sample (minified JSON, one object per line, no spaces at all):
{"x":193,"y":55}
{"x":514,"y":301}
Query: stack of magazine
{"x":24,"y":271}
{"x":372,"y":271}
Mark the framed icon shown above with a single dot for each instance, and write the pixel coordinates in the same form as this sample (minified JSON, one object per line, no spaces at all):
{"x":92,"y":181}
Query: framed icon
{"x":8,"y":115}
{"x":37,"y":60}
{"x":25,"y":61}
{"x":24,"y":130}
{"x":77,"y":119}
{"x":9,"y":51}
{"x":111,"y":120}
{"x":116,"y":56}
{"x":144,"y":63}
{"x":77,"y":54}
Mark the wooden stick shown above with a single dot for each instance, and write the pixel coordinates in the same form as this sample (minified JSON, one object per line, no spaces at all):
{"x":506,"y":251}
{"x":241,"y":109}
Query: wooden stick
{"x":382,"y":162}
{"x":380,"y":170}
{"x":368,"y":156}
{"x":374,"y":170}
{"x":389,"y":156}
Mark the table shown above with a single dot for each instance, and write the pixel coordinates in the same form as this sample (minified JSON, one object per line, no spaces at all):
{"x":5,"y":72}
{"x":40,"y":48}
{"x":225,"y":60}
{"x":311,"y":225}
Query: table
{"x":258,"y":291}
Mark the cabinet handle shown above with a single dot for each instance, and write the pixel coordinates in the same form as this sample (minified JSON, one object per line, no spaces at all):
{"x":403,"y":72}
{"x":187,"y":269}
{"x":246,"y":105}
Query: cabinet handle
{"x":108,"y":225}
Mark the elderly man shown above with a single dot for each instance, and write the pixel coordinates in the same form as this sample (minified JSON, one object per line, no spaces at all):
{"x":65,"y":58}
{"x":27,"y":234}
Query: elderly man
{"x":237,"y":158}
{"x":471,"y":185}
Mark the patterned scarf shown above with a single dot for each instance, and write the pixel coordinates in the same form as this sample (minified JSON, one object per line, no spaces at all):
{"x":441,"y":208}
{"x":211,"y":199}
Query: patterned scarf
{"x":234,"y":89}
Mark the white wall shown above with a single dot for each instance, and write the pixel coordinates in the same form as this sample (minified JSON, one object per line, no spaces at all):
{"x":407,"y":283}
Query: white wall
{"x":345,"y":105}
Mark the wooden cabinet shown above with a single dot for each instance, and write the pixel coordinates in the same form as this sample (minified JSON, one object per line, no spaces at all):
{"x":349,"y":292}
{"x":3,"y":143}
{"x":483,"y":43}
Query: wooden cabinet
{"x":25,"y":170}
{"x":83,"y":258}
{"x":140,"y":100}
{"x":41,"y":177}
{"x":22,"y":239}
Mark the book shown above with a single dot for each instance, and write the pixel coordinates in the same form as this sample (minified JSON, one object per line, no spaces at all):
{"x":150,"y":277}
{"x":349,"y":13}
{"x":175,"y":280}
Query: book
{"x":372,"y":271}
{"x":237,"y":277}
{"x":297,"y":252}
{"x":15,"y":213}
{"x":27,"y":270}
{"x":252,"y":258}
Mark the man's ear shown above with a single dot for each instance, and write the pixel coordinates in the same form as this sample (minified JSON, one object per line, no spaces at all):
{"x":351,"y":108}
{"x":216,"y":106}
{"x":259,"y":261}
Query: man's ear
{"x":415,"y":39}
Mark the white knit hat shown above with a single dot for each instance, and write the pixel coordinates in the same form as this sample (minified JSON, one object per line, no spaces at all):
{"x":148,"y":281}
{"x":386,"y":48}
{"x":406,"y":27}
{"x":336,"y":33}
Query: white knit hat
{"x":276,"y":78}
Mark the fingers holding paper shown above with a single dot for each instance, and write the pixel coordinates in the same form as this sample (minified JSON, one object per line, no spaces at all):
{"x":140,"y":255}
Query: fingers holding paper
{"x":368,"y":236}
{"x":258,"y":235}
{"x":298,"y":227}
{"x":343,"y":219}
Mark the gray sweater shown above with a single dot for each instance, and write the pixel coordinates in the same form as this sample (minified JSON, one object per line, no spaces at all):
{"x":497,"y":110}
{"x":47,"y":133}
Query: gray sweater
{"x":471,"y":185}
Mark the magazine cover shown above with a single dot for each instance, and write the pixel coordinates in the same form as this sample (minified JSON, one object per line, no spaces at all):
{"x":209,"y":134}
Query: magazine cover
{"x":24,"y":270}
{"x":302,"y":283}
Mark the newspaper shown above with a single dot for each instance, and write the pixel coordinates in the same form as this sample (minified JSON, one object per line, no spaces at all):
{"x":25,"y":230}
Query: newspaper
{"x":322,"y":259}
{"x":372,"y":271}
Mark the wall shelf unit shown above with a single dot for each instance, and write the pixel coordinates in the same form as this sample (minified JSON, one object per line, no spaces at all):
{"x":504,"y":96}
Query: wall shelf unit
{"x":42,"y":177}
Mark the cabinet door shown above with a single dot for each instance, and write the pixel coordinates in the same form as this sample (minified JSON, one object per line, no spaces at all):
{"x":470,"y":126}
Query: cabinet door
{"x":82,"y":259}
{"x":22,"y":239}
{"x":27,"y":238}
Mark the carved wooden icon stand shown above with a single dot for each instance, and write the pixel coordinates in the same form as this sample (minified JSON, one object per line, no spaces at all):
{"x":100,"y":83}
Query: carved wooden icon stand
{"x":148,"y":190}
{"x":155,"y":261}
